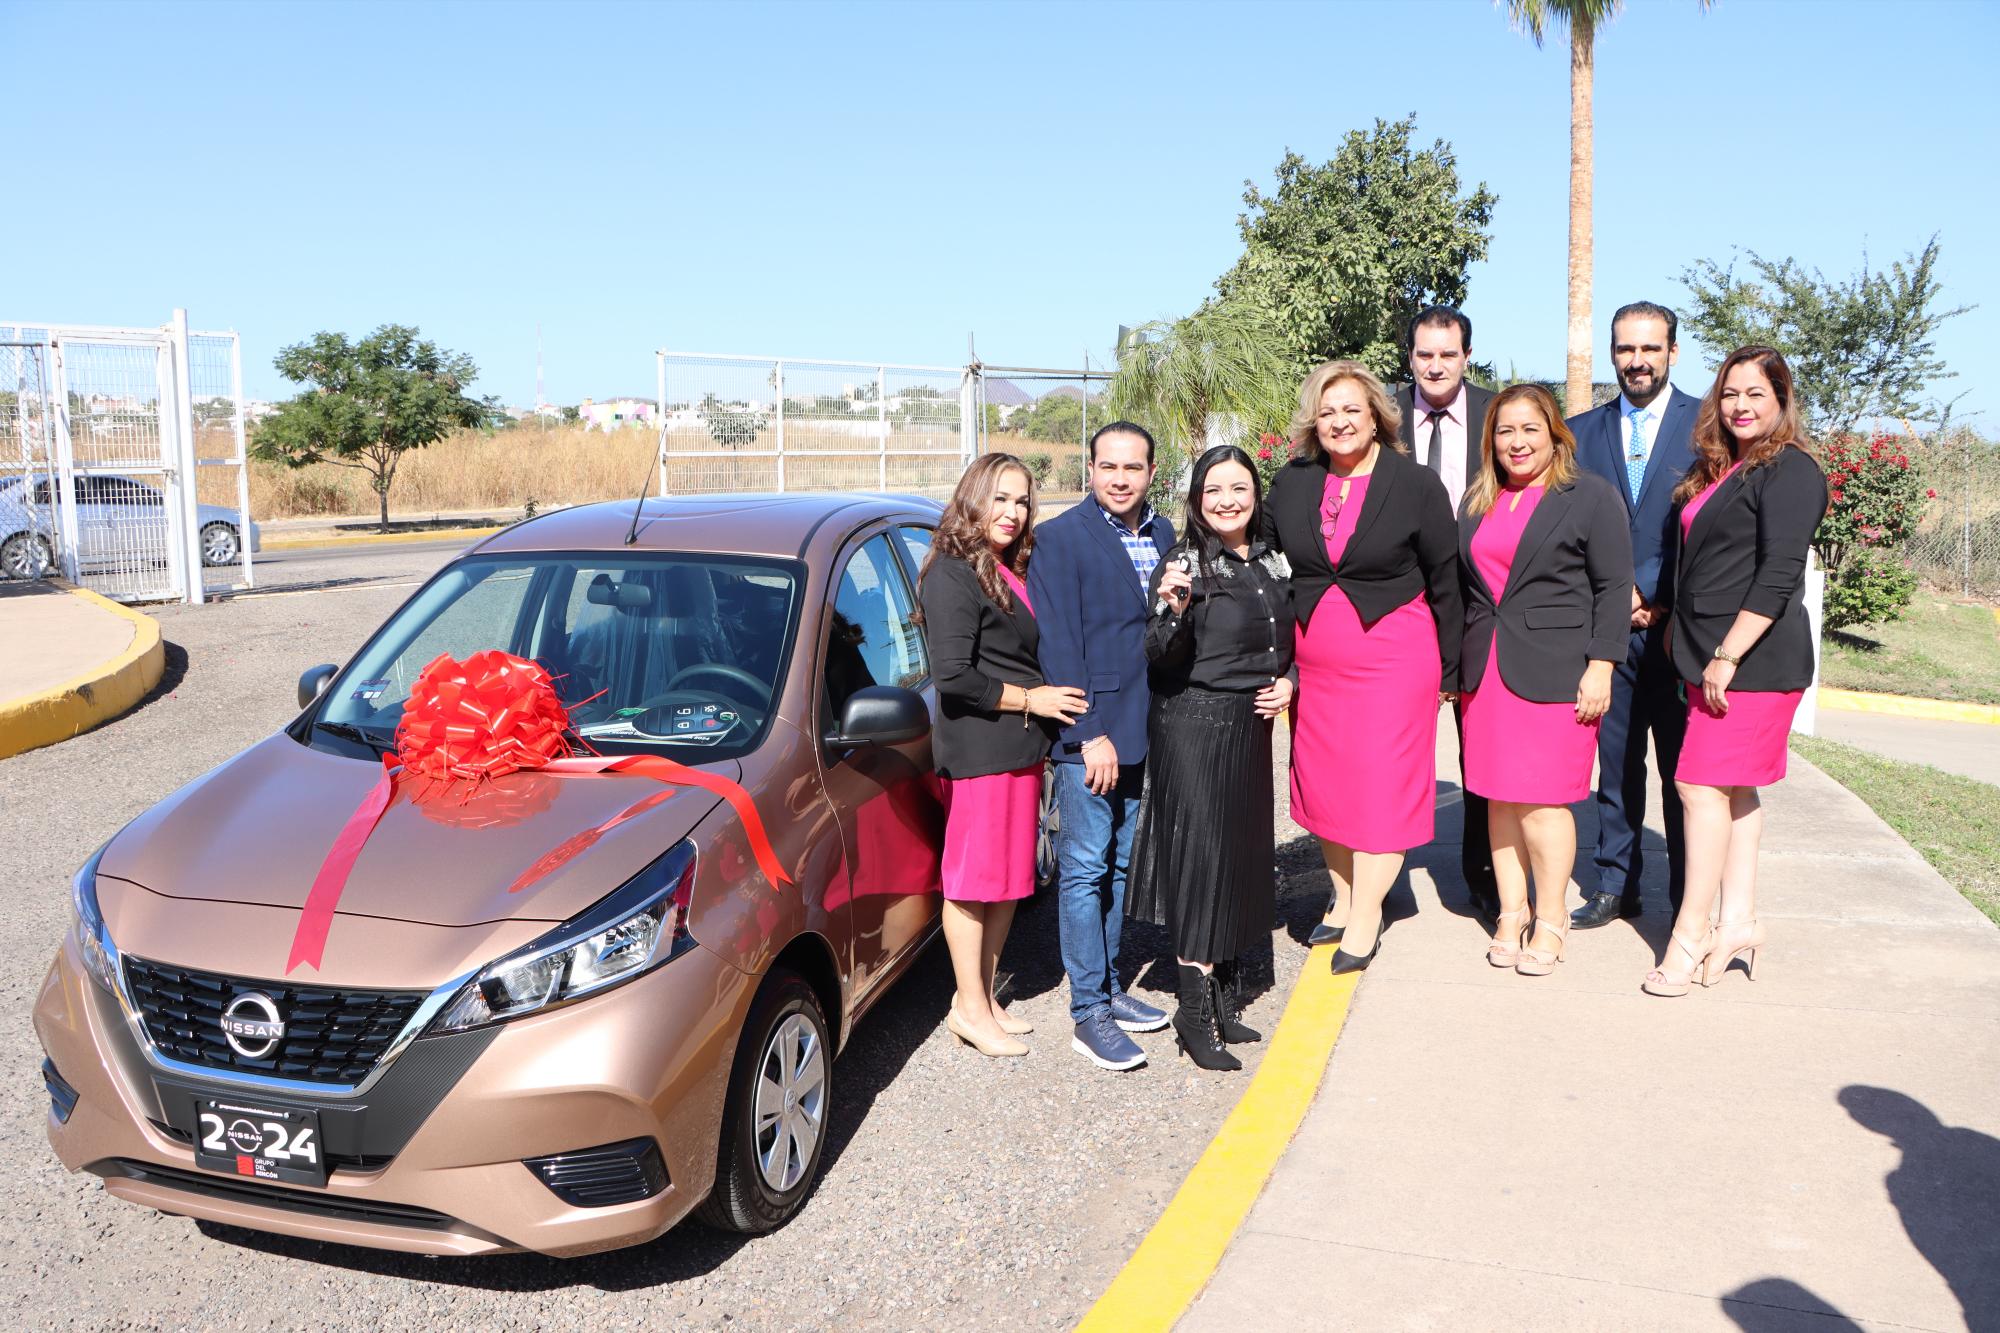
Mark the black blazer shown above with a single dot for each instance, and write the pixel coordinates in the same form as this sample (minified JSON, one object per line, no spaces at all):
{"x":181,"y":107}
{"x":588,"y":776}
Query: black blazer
{"x":1477,"y":400}
{"x":1568,"y":597}
{"x":975,"y":648}
{"x":1404,"y":543}
{"x":1747,"y":552}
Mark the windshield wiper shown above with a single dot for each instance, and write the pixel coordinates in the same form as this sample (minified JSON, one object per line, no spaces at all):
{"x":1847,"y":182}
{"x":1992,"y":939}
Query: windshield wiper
{"x":348,"y":731}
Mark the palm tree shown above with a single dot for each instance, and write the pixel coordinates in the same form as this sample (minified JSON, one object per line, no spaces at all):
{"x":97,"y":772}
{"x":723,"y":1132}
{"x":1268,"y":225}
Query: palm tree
{"x":1224,"y":365}
{"x":1583,"y":17}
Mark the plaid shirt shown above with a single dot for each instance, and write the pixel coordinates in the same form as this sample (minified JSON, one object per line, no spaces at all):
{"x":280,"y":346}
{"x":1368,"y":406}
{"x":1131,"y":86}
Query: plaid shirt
{"x":1138,"y":545}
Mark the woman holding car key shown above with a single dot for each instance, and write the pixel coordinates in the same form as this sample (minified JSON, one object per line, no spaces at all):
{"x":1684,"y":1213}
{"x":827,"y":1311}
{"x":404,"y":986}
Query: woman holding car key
{"x":1219,"y":649}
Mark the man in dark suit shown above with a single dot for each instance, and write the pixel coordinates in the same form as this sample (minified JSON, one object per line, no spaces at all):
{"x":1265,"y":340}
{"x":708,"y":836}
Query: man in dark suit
{"x":1444,"y":420}
{"x":1641,"y":442}
{"x":1088,"y":581}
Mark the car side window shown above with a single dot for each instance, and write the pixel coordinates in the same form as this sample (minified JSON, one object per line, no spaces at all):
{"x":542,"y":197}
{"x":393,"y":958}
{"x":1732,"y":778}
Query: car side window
{"x":916,"y":545}
{"x":874,"y":640}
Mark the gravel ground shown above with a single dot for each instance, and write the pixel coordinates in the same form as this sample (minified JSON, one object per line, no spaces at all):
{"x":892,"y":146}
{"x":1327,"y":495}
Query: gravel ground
{"x":957,"y":1192}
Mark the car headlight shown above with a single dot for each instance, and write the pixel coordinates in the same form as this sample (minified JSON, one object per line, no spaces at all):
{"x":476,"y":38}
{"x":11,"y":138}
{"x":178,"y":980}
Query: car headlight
{"x":637,"y":928}
{"x":93,"y":941}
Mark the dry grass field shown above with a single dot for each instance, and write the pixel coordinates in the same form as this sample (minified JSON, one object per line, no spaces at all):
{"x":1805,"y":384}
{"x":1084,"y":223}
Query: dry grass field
{"x":565,"y":465}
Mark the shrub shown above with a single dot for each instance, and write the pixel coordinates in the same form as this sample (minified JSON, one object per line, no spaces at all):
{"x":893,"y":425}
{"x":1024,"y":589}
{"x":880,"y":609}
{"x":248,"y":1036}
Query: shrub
{"x":1039,"y":467}
{"x":1273,"y":451}
{"x":1070,"y":478}
{"x":1874,"y":497}
{"x":1870,"y":587}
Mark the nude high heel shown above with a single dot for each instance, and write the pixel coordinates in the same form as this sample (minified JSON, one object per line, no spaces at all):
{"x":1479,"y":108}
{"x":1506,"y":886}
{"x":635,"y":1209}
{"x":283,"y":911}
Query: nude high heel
{"x":1006,"y":1046}
{"x":1540,"y":962}
{"x":1731,"y":940}
{"x":1663,"y":983}
{"x":1501,"y":952}
{"x":1012,"y":1026}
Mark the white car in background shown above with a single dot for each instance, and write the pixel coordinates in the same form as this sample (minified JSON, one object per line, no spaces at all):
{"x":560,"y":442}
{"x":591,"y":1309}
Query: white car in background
{"x":116,"y":519}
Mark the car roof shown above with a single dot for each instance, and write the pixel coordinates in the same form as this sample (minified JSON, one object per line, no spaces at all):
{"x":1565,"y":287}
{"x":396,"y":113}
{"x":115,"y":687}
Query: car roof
{"x":761,"y":524}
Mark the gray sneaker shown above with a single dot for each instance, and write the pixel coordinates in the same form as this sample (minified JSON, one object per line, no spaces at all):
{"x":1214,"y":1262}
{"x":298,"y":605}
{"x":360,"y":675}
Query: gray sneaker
{"x":1098,"y":1038}
{"x":1136,"y":1015}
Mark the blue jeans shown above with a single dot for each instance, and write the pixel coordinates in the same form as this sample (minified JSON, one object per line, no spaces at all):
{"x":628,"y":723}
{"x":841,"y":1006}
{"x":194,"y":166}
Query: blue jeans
{"x":1092,"y":852}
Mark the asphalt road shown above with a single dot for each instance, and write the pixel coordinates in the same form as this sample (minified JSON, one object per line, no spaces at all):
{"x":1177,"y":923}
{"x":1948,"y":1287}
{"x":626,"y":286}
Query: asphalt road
{"x":958,"y":1192}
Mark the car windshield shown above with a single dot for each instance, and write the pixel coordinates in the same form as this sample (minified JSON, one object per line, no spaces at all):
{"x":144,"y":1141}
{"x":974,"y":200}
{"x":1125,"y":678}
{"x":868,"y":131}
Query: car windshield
{"x":650,"y":653}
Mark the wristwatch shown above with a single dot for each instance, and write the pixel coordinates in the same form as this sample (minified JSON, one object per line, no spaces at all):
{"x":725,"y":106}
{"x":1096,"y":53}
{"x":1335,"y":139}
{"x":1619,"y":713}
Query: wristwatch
{"x":1730,"y":658}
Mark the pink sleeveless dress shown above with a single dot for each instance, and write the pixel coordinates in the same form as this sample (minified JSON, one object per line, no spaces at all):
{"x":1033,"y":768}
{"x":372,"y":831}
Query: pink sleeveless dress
{"x":1747,"y":746}
{"x":1364,"y":727}
{"x":990,"y":823}
{"x":1517,"y":749}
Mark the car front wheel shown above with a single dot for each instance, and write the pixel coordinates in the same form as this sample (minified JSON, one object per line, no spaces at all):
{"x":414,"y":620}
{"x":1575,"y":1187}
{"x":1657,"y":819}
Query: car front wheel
{"x":25,"y":555}
{"x":775,"y":1118}
{"x":220,"y":545}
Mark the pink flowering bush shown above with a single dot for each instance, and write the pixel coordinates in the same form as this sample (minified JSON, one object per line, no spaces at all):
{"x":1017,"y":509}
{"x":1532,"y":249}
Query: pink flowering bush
{"x":1874,"y":500}
{"x":1272,"y":452}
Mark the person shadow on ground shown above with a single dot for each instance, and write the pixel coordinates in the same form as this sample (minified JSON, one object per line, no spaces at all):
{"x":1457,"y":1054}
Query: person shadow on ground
{"x":1944,"y":1189}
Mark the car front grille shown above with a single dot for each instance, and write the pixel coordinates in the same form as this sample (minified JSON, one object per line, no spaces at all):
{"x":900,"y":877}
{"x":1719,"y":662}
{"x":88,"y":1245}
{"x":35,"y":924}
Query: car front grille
{"x":331,"y":1036}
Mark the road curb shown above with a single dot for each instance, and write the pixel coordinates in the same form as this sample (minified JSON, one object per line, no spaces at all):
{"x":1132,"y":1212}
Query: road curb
{"x":1179,"y":1255}
{"x":376,"y":538}
{"x":107,"y":690}
{"x":1897,"y":705}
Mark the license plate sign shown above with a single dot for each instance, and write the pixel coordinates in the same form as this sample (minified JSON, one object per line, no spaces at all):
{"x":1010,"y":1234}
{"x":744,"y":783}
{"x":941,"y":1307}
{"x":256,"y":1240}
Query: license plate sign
{"x":260,"y":1141}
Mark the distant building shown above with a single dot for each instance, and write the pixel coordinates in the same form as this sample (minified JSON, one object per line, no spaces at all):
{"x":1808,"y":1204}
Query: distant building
{"x":616,"y":413}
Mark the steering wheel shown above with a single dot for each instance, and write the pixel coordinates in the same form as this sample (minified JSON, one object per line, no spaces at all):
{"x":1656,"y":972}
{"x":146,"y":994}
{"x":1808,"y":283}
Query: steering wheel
{"x":735,"y":673}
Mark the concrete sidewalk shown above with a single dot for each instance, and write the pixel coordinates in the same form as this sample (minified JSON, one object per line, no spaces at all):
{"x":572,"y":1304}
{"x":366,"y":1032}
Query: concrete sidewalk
{"x":71,"y":660}
{"x":1495,"y":1151}
{"x":1970,"y":749}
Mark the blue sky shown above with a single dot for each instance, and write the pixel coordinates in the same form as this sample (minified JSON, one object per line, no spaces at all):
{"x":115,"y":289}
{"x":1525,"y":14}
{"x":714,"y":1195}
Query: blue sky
{"x":876,"y":181}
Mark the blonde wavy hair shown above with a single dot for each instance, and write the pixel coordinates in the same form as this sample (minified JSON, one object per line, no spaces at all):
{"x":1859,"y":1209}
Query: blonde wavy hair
{"x":1388,"y":417}
{"x":1479,"y":496}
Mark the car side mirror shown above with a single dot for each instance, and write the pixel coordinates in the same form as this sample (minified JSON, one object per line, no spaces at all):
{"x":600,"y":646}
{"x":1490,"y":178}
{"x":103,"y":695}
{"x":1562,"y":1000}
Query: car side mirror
{"x":313,"y":682}
{"x":882,"y":715}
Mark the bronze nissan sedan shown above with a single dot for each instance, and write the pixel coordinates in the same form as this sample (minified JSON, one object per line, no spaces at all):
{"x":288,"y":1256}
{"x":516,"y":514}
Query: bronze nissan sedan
{"x":563,"y":1061}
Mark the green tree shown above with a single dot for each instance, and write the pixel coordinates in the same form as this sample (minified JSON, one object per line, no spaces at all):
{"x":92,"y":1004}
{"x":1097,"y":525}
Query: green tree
{"x":1857,"y":348}
{"x":1057,"y":417}
{"x":1583,"y":18}
{"x":368,"y":403}
{"x":731,"y":425}
{"x":1341,"y":256}
{"x":1224,"y":365}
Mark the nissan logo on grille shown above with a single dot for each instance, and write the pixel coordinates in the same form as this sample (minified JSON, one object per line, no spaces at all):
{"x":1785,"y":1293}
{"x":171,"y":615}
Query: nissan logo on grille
{"x":251,"y":1025}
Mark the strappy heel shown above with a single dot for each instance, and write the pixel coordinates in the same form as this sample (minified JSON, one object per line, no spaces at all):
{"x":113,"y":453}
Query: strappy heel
{"x":1505,"y":950}
{"x":1732,"y":940}
{"x":1663,"y":983}
{"x":1540,"y":962}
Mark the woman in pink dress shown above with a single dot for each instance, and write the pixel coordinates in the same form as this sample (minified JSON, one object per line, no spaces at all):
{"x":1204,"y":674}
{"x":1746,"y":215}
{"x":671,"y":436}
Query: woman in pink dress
{"x":988,"y":745}
{"x":1546,"y":553}
{"x":1743,"y":645}
{"x":1373,"y":555}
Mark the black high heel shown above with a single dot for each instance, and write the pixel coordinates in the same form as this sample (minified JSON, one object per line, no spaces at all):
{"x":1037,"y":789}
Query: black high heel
{"x":1345,"y":962}
{"x":1323,"y":933}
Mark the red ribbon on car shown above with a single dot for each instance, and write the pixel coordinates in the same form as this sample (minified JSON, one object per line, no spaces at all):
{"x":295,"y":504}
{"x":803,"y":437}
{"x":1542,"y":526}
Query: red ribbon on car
{"x":483,"y":718}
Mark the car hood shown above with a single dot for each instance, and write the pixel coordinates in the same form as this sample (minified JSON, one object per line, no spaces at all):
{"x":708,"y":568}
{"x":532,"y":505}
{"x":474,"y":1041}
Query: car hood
{"x":257,"y":829}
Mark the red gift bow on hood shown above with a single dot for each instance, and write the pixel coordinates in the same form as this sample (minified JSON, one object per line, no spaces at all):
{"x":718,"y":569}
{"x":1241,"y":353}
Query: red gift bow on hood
{"x":488,"y":716}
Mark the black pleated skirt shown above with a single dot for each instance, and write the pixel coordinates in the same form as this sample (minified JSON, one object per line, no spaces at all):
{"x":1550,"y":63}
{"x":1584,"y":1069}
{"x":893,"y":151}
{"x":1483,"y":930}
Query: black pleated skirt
{"x":1203,"y":864}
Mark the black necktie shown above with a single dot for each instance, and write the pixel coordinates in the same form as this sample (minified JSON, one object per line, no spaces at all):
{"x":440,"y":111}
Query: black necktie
{"x":1434,"y":451}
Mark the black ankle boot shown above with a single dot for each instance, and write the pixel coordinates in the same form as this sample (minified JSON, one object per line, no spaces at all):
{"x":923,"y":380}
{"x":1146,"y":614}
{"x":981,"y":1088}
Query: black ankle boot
{"x":1228,"y":1001}
{"x":1194,"y":1022}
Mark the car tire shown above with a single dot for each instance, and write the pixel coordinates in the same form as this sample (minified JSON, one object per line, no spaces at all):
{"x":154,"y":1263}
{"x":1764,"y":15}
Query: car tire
{"x":220,"y":545}
{"x":762,"y":1178}
{"x":26,"y":555}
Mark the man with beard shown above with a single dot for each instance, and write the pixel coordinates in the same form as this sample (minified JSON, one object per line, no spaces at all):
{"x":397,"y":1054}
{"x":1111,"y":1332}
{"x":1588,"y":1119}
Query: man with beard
{"x":1444,"y":422}
{"x":1641,"y":442}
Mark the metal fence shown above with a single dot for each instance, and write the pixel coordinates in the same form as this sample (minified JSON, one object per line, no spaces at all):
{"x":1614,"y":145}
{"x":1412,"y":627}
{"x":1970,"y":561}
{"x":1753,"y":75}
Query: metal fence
{"x":1957,"y":544}
{"x":751,"y":423}
{"x":109,"y":451}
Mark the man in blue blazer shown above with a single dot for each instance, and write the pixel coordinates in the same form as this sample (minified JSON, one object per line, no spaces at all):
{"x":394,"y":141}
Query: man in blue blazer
{"x":1641,"y":442}
{"x":1088,"y":579}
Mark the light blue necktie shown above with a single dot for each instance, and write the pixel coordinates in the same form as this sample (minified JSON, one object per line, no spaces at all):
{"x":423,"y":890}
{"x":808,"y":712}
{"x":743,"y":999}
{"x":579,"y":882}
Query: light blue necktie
{"x":1635,"y":456}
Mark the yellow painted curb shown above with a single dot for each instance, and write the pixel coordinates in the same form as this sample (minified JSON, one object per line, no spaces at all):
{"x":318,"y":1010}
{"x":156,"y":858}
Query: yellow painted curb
{"x":376,"y":538}
{"x":1897,"y":705}
{"x":1179,"y":1255}
{"x":105,"y":691}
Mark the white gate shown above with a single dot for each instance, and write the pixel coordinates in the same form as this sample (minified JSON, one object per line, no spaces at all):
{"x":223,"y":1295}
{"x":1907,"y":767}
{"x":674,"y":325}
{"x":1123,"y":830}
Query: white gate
{"x":110,"y":450}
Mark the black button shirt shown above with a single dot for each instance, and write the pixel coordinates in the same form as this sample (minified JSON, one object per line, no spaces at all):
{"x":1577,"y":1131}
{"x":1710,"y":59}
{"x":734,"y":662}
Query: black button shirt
{"x":1237,"y":632}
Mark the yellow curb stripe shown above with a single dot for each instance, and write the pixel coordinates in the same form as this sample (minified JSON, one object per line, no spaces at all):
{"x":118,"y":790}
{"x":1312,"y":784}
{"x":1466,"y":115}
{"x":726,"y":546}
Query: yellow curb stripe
{"x":105,"y":691}
{"x":1179,"y":1255}
{"x":1897,"y":705}
{"x":374,"y":538}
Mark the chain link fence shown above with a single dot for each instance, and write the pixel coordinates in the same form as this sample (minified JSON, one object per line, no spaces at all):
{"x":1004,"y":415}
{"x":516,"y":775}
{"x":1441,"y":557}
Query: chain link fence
{"x":1956,"y":547}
